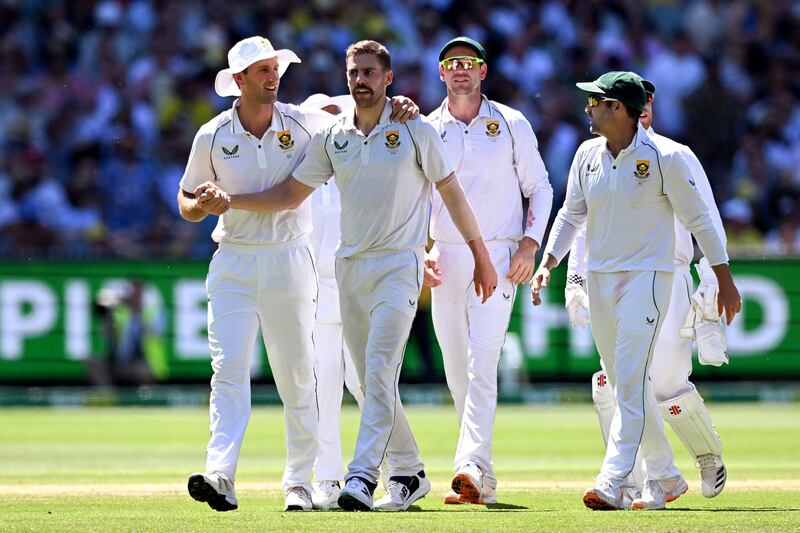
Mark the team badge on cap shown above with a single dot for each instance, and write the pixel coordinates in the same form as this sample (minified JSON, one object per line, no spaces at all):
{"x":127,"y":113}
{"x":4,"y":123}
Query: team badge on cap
{"x":392,"y":139}
{"x":493,"y":128}
{"x":285,"y":138}
{"x":642,"y":169}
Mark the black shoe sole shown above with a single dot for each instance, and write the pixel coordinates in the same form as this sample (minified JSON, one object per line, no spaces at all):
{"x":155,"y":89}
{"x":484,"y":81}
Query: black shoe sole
{"x":203,"y":492}
{"x":349,"y":503}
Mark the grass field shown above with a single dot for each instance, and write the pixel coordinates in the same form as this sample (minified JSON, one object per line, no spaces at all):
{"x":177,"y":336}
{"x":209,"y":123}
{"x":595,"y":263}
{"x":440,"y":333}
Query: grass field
{"x":116,"y":469}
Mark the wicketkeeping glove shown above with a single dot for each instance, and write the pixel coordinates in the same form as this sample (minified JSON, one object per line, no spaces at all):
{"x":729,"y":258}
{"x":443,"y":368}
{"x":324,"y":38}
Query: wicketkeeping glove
{"x":708,"y":290}
{"x":576,"y":302}
{"x":703,"y":323}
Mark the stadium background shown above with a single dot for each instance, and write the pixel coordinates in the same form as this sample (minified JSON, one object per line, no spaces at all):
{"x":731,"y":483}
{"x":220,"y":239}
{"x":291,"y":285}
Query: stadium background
{"x":99,"y":102}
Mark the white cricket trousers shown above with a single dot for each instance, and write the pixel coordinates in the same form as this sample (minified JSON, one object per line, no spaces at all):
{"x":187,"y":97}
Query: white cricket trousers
{"x":334,"y":367}
{"x":273,"y":287}
{"x":379,"y":296}
{"x":471,"y":336}
{"x":672,"y":356}
{"x":627,"y":311}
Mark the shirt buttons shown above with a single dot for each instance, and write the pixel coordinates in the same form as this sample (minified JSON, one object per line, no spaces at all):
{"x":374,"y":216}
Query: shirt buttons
{"x":466,"y":132}
{"x":614,"y":167}
{"x":260,"y":147}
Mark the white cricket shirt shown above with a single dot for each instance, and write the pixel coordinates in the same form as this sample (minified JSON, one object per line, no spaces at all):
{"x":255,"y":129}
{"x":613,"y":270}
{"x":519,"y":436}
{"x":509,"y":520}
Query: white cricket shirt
{"x":384,"y":179}
{"x":325,"y":211}
{"x":225,"y":153}
{"x":629,"y":204}
{"x":684,"y":249}
{"x":497,"y":161}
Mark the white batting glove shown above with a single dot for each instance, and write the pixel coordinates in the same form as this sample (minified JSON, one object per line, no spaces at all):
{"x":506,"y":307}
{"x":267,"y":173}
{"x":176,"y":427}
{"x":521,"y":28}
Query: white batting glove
{"x":708,"y":290}
{"x":577,"y":304}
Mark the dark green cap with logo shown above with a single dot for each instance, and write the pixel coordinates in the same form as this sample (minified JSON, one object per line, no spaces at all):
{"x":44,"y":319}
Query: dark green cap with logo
{"x":464,"y":41}
{"x":626,"y":87}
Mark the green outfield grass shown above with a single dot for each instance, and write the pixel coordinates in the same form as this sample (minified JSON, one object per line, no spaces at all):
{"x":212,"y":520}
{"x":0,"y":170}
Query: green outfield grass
{"x":117,"y":469}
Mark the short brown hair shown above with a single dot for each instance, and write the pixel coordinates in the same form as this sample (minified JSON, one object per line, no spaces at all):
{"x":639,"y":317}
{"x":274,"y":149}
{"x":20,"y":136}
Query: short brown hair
{"x":371,"y":47}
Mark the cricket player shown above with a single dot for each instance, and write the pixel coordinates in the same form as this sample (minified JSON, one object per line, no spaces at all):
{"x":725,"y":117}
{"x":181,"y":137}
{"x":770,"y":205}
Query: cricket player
{"x":333,"y":364}
{"x":495,"y":154}
{"x":628,"y":187}
{"x":679,"y":402}
{"x":384,"y":171}
{"x":262,"y":275}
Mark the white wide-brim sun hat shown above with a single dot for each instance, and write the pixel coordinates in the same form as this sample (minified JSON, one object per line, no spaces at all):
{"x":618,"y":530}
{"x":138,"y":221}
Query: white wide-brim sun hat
{"x":344,"y":102}
{"x":245,"y":53}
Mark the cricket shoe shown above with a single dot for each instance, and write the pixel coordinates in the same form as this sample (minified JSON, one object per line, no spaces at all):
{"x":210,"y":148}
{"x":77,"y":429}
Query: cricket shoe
{"x":357,"y":495}
{"x":326,"y":495}
{"x":658,"y":492}
{"x":712,"y":474}
{"x":403,"y":491}
{"x":215,"y":489}
{"x":606,"y":495}
{"x":467,"y":483}
{"x":628,"y":494}
{"x":297,"y":499}
{"x":488,"y":497}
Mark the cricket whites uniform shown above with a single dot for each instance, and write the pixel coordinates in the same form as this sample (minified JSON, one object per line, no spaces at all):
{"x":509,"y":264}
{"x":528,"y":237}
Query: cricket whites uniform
{"x":497,"y":162}
{"x":629,"y":204}
{"x":672,"y":355}
{"x":385,"y":183}
{"x":332,"y":361}
{"x":262,"y":275}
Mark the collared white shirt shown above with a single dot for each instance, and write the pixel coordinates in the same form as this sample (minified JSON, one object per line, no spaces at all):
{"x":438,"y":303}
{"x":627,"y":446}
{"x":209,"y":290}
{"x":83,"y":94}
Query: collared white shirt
{"x":225,"y":153}
{"x":629,"y":204}
{"x":497,"y":161}
{"x":384,"y":179}
{"x":684,"y":249}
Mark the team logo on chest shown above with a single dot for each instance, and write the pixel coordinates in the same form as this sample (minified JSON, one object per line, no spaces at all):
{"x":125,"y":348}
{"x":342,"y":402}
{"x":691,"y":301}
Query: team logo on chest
{"x":230,"y":153}
{"x":392,"y":140}
{"x":493,"y":128}
{"x":642,"y":169}
{"x":285,"y":140}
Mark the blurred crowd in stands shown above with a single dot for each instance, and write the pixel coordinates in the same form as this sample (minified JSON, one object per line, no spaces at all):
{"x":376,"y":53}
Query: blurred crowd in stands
{"x":100,"y":99}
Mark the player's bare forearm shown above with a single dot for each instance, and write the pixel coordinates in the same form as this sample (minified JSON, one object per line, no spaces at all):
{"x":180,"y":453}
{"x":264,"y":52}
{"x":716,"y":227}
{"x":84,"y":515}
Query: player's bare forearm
{"x":188,"y":207}
{"x":286,"y":195}
{"x":728,"y":299}
{"x":523,"y":261}
{"x":458,"y":207}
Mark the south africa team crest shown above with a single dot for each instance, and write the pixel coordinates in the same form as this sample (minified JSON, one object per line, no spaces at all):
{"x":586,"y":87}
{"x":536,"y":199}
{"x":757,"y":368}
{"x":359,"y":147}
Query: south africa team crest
{"x":642,"y":169}
{"x":493,"y":128}
{"x":285,"y":140}
{"x":392,"y":140}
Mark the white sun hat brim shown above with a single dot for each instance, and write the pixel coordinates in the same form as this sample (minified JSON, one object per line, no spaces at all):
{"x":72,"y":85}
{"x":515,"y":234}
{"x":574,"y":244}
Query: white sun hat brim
{"x":224,"y":83}
{"x":344,"y":102}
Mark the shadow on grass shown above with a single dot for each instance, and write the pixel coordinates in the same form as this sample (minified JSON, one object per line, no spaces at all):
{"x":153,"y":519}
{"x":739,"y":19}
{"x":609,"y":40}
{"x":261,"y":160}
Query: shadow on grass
{"x":737,"y":510}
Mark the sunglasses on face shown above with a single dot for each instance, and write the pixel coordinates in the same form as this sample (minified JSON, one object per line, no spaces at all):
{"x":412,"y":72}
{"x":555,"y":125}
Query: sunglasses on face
{"x":594,"y":100}
{"x":460,"y":62}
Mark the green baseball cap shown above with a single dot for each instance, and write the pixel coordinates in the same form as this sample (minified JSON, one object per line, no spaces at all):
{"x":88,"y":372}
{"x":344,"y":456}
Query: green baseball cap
{"x":626,"y":87}
{"x":465,"y":41}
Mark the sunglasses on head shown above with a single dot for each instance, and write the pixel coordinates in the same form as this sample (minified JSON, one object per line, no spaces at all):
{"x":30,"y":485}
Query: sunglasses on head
{"x":460,"y":62}
{"x":594,"y":100}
